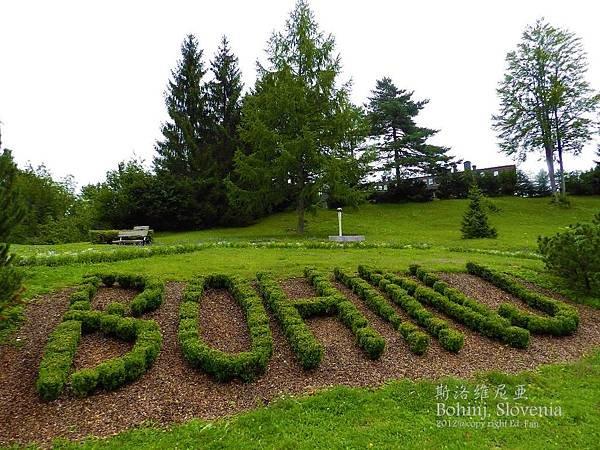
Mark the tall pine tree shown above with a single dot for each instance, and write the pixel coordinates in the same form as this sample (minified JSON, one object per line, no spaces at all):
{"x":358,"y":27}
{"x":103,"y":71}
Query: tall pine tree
{"x":224,"y":97}
{"x":402,"y":145}
{"x":189,"y":185}
{"x":184,"y":149}
{"x":296,"y":123}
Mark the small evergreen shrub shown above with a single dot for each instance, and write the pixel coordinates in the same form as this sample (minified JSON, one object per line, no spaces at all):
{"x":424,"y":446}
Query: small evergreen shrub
{"x":221,"y":365}
{"x":574,"y":254}
{"x":562,"y":319}
{"x":475,"y":221}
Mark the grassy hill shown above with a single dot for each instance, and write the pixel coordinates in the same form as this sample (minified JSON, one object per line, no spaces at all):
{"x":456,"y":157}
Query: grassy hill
{"x":520,"y":221}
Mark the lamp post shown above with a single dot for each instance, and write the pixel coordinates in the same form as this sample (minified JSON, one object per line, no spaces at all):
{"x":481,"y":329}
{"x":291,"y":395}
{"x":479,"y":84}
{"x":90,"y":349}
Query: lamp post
{"x":339,"y":210}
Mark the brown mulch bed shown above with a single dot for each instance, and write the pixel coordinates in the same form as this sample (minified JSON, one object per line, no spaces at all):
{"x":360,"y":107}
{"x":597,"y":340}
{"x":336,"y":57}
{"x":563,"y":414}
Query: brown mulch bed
{"x":297,"y":288}
{"x":222,"y":322}
{"x":484,"y":291}
{"x":106,"y":295}
{"x":95,"y":348}
{"x":172,"y":391}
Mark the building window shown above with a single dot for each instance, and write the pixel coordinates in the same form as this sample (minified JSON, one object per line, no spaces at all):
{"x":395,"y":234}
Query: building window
{"x":495,"y":173}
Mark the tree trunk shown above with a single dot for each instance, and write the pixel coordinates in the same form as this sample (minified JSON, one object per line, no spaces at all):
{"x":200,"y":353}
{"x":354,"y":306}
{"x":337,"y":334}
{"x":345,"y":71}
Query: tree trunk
{"x":300,"y":210}
{"x":563,"y":189}
{"x":550,"y":162}
{"x":396,"y":157}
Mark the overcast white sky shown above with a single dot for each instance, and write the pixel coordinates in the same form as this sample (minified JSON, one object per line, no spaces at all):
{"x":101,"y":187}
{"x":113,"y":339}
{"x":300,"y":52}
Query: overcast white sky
{"x":81,"y":83}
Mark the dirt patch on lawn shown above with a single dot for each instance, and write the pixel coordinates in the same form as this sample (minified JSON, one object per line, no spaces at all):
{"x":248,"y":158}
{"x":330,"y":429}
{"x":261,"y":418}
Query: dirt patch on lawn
{"x":172,"y":391}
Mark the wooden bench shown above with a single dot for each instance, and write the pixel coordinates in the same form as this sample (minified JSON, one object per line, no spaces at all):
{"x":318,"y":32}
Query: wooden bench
{"x":139,"y":235}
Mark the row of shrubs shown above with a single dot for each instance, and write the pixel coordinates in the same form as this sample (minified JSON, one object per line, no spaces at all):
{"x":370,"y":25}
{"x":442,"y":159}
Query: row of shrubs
{"x":120,"y":253}
{"x":62,"y":346}
{"x":221,"y":365}
{"x":305,"y":346}
{"x":449,"y":338}
{"x":108,"y":236}
{"x":468,"y":311}
{"x":418,"y":342}
{"x":562,"y":319}
{"x":151,"y":297}
{"x":368,"y":339}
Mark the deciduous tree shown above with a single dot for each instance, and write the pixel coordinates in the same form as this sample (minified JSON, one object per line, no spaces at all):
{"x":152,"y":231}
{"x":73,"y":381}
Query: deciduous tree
{"x":545,"y":102}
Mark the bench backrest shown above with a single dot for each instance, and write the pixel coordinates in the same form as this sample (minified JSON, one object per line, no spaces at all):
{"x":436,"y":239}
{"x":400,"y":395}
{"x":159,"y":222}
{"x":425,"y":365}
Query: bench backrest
{"x":133,"y":233}
{"x":142,"y":227}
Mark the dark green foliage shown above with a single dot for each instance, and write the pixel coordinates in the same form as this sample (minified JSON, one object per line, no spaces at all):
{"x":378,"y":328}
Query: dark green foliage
{"x":475,"y":221}
{"x":51,"y":211}
{"x":368,"y":339}
{"x":108,"y":236}
{"x":574,"y":254}
{"x":225,"y":366}
{"x":299,"y":126}
{"x":401,"y":291}
{"x":224,"y":100}
{"x":304,"y":344}
{"x":404,"y":191}
{"x":416,"y":339}
{"x":562,"y":319}
{"x":11,"y":213}
{"x":468,"y":311}
{"x":58,"y":355}
{"x":403,"y":145}
{"x":583,"y":183}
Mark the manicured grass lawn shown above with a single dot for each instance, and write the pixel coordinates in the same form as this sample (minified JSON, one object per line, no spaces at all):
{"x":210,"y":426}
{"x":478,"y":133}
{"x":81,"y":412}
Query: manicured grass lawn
{"x":519,"y":222}
{"x":401,"y":414}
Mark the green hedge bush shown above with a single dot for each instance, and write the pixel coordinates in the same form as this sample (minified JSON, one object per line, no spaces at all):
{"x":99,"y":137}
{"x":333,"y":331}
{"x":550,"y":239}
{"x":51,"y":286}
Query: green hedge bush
{"x":562,"y":319}
{"x":116,"y":372}
{"x":450,"y":338}
{"x":151,"y":297}
{"x":573,"y":255}
{"x":418,"y":342}
{"x":56,"y":361}
{"x":468,"y":311}
{"x":80,"y":318}
{"x":368,"y":339}
{"x":305,"y":346}
{"x":221,"y":365}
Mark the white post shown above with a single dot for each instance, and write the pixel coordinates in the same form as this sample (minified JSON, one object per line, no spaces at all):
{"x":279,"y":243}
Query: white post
{"x":339,"y":210}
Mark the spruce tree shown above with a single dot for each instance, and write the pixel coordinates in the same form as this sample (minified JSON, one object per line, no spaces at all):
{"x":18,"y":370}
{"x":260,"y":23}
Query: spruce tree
{"x":10,"y":215}
{"x":224,"y":97}
{"x":190,"y":188}
{"x":184,"y":150}
{"x":401,"y":144}
{"x":475,"y":221}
